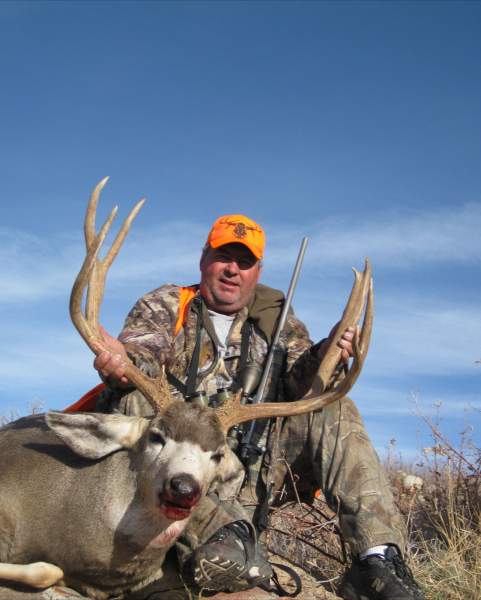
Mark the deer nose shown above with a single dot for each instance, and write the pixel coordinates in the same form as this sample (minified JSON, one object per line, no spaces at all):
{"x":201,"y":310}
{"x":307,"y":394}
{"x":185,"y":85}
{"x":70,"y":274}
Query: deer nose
{"x":184,"y":486}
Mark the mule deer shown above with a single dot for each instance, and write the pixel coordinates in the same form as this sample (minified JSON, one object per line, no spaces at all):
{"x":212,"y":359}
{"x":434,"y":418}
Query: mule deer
{"x":101,"y":498}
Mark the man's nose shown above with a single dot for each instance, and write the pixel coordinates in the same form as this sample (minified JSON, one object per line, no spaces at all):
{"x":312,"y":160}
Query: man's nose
{"x":232,"y":267}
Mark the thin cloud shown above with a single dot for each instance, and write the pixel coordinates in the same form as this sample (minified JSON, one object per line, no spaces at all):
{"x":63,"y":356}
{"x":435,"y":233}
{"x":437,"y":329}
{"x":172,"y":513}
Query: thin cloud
{"x":38,"y":269}
{"x":34,"y":268}
{"x":44,"y":356}
{"x":427,"y":340}
{"x":390,"y":239}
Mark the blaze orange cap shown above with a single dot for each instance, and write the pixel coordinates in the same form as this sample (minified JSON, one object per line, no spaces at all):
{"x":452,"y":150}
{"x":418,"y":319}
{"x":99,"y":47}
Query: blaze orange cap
{"x":238,"y":229}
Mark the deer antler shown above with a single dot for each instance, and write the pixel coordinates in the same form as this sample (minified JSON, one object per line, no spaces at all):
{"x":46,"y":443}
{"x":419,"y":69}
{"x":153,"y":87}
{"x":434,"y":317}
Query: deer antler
{"x":350,"y":318}
{"x":92,"y":277}
{"x":233,"y":412}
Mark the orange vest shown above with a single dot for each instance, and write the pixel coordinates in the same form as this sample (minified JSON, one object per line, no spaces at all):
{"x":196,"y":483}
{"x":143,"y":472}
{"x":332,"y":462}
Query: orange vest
{"x":88,"y":401}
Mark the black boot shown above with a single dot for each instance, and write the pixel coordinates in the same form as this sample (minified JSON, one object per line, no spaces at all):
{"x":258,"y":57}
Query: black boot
{"x":380,"y":578}
{"x":230,"y":560}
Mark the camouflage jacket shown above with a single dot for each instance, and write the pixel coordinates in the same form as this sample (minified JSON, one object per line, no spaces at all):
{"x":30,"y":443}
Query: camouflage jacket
{"x":148,"y":335}
{"x":149,"y":338}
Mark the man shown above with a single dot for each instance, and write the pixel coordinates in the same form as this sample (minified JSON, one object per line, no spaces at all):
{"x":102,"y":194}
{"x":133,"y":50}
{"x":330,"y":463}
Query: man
{"x":212,"y":339}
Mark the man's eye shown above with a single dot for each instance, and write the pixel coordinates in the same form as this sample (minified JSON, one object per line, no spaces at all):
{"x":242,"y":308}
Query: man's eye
{"x":245,"y":264}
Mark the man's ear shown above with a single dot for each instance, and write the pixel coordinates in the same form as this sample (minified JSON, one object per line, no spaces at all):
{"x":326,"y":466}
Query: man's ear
{"x":203,"y":256}
{"x":95,"y":435}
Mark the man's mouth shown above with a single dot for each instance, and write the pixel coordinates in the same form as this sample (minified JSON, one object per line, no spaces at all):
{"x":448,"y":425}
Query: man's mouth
{"x":228,"y":284}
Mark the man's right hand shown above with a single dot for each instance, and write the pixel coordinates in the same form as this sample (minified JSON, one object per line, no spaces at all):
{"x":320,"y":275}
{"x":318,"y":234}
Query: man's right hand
{"x":110,"y":363}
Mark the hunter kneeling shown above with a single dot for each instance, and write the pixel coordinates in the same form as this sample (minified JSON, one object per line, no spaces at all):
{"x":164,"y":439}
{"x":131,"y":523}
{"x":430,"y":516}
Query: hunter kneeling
{"x":212,"y":338}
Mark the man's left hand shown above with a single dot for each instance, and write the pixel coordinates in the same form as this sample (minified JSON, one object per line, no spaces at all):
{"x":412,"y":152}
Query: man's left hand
{"x":345,"y":342}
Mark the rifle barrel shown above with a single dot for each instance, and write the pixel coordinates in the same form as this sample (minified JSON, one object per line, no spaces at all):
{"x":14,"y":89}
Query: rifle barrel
{"x":275,"y":340}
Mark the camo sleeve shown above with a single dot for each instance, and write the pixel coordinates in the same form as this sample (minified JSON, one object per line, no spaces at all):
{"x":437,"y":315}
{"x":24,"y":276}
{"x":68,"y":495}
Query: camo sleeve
{"x":301,"y":359}
{"x":148,"y":331}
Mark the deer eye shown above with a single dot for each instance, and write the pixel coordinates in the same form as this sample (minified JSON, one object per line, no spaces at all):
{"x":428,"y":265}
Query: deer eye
{"x":217,"y":456}
{"x":156,"y":437}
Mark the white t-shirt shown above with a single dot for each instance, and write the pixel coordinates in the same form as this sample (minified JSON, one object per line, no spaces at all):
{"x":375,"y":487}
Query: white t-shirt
{"x":222,"y":324}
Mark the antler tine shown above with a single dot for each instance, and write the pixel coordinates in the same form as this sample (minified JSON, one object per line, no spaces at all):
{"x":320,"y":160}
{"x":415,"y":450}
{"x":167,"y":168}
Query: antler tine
{"x":92,"y":276}
{"x":98,"y":273}
{"x":366,"y":331}
{"x":92,"y":307}
{"x":88,"y":328}
{"x":233,"y":412}
{"x":90,"y":235}
{"x":123,"y":231}
{"x":89,"y":223}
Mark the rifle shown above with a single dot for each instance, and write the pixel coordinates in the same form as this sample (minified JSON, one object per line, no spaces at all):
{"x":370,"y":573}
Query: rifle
{"x":246,"y":447}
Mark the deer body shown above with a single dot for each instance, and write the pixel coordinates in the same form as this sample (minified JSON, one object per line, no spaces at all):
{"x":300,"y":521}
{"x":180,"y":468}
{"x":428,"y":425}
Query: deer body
{"x":106,"y":520}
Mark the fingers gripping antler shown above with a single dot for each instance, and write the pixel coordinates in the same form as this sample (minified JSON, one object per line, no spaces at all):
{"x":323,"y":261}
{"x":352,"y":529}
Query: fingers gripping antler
{"x":92,"y":277}
{"x":233,"y":412}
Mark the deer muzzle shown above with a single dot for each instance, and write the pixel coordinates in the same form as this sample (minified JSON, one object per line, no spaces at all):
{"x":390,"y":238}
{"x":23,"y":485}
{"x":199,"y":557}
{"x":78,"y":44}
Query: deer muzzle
{"x":179,"y":496}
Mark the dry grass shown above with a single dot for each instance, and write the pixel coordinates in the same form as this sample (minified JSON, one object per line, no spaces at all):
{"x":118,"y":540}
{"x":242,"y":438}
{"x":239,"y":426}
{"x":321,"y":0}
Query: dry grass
{"x":443,"y":520}
{"x":308,"y":537}
{"x":443,"y":525}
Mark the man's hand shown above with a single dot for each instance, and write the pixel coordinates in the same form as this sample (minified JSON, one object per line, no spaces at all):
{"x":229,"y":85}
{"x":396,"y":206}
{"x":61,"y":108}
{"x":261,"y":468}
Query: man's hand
{"x":345,"y":342}
{"x":111,"y":363}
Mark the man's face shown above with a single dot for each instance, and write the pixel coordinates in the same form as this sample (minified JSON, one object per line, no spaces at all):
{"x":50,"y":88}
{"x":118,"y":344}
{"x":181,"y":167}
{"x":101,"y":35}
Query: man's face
{"x":229,"y":275}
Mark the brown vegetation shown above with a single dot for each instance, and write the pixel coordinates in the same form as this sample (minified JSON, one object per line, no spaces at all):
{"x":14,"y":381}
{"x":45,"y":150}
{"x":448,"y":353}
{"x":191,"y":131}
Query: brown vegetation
{"x":443,"y":525}
{"x":443,"y":520}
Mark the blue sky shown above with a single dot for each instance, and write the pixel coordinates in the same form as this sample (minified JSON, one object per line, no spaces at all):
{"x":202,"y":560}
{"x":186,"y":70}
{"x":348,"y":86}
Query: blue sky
{"x":356,"y":124}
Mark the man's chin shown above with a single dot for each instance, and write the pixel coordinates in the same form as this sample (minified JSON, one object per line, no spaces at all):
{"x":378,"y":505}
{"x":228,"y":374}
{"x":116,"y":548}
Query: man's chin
{"x":226,"y":303}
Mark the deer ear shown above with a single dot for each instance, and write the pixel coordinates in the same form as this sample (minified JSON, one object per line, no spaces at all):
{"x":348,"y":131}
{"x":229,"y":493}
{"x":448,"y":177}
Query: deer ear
{"x":95,"y":435}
